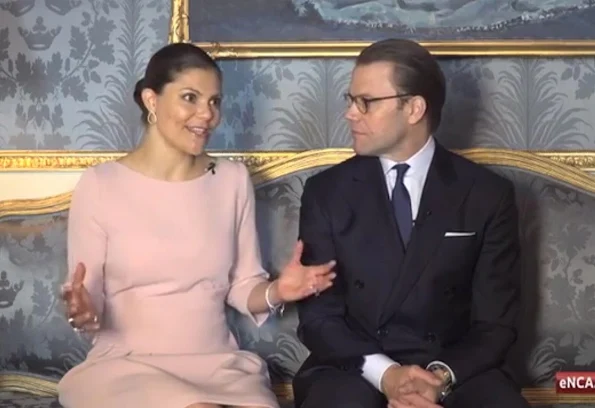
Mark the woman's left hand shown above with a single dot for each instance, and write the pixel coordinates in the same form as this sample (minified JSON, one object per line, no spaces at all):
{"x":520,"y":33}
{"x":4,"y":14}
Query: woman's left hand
{"x":298,"y":281}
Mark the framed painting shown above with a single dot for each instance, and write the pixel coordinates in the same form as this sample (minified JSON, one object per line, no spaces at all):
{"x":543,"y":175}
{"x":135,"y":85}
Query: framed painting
{"x":340,"y":28}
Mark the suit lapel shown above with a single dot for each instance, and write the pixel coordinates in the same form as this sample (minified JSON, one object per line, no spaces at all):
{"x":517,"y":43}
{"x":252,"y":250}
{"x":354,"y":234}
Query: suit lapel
{"x":373,"y":222}
{"x":443,"y":193}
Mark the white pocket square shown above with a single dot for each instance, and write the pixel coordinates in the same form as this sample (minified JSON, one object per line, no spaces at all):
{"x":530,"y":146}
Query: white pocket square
{"x":459,"y":234}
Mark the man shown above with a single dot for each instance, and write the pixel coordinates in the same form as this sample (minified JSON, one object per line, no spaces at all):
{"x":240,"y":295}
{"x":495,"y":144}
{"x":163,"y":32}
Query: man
{"x":422,"y":312}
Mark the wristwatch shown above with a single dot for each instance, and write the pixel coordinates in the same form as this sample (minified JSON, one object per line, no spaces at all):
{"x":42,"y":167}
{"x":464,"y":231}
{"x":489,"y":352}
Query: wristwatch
{"x":446,"y":379}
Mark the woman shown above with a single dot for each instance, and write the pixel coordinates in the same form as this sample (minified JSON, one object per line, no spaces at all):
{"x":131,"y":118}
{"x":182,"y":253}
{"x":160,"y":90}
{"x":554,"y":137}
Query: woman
{"x":158,"y":243}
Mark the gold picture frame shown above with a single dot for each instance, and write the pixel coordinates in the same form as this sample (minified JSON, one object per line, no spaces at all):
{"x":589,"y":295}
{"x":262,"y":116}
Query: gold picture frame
{"x":180,"y":32}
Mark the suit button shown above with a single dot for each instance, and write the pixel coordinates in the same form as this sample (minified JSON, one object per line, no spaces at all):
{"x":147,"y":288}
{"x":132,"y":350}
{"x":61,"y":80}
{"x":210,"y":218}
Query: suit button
{"x":359,"y":284}
{"x":449,"y":293}
{"x":382,"y":332}
{"x":430,"y":337}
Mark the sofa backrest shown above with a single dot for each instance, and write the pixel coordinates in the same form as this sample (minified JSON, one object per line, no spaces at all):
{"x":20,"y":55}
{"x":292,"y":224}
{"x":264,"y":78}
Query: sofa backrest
{"x":557,"y":228}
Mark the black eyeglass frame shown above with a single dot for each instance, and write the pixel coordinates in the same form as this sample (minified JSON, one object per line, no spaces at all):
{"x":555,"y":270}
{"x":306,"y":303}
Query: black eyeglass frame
{"x":365,"y":102}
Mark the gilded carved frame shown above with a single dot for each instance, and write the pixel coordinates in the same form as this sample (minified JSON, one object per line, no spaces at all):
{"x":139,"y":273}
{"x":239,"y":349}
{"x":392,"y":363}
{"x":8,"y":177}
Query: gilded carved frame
{"x":570,"y":167}
{"x":180,"y":32}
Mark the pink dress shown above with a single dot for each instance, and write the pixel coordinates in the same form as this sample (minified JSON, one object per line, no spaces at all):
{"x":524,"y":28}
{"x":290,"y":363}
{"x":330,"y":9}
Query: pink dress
{"x":163,"y":259}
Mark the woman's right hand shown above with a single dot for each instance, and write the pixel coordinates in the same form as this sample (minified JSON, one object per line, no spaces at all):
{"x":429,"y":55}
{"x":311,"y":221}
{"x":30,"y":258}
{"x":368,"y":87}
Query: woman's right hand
{"x":80,"y":311}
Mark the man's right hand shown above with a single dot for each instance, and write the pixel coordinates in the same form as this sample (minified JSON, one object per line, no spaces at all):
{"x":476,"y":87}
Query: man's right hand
{"x":80,"y":311}
{"x":396,"y":378}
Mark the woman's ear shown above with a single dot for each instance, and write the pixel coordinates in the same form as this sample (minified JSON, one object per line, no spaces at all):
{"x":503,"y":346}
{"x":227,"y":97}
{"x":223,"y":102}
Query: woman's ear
{"x":149,"y":98}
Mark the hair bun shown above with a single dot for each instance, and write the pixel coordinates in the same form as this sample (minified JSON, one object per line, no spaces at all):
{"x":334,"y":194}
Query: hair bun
{"x":138,"y":89}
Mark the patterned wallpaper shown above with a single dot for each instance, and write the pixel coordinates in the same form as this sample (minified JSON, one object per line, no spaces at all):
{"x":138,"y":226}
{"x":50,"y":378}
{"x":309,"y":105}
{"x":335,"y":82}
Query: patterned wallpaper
{"x":68,"y":68}
{"x":67,"y":71}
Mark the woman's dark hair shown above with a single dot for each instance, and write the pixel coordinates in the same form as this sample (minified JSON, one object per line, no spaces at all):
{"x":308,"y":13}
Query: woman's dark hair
{"x":166,"y":64}
{"x":416,"y":72}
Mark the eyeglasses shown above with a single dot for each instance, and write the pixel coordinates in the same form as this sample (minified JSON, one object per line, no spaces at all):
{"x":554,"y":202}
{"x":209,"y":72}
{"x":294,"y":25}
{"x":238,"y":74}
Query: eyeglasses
{"x":362,"y":103}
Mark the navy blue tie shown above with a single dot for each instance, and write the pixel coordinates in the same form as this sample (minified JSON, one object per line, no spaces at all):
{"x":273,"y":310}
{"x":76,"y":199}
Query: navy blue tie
{"x":402,"y":204}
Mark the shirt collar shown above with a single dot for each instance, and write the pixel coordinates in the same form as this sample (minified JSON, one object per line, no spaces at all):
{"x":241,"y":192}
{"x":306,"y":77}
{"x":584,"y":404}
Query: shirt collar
{"x":419,"y":163}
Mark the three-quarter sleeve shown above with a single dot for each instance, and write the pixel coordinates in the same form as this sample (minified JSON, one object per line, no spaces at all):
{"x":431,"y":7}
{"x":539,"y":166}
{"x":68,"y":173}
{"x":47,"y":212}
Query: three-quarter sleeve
{"x":86,"y":235}
{"x":247,"y":271}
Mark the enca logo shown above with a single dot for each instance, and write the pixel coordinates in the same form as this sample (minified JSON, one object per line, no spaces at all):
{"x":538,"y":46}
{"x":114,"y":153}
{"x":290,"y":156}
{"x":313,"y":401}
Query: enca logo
{"x":575,"y":382}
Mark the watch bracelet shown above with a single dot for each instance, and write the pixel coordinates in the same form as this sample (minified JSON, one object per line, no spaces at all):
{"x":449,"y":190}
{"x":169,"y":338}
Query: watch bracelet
{"x":447,"y":386}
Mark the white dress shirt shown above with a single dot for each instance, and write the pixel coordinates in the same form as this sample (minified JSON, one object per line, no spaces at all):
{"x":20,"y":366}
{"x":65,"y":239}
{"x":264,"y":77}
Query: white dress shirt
{"x":375,"y":365}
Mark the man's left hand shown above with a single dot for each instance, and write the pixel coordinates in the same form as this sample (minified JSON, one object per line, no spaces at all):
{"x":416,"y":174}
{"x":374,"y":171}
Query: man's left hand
{"x":417,"y":393}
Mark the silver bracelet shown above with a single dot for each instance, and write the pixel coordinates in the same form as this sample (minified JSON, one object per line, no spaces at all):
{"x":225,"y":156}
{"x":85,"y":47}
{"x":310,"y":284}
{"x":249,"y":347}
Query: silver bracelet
{"x":274,"y":309}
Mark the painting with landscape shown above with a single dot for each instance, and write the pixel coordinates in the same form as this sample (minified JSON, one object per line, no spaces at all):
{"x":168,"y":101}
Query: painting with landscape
{"x":369,"y":20}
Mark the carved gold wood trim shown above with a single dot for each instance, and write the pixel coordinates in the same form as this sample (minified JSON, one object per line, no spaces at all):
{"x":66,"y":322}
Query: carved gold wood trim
{"x":28,"y":384}
{"x":567,"y":167}
{"x":558,"y":166}
{"x":58,"y":160}
{"x":46,"y":205}
{"x":350,"y":49}
{"x":54,"y":160}
{"x":180,"y":32}
{"x":284,"y":392}
{"x":179,"y":29}
{"x":583,"y":160}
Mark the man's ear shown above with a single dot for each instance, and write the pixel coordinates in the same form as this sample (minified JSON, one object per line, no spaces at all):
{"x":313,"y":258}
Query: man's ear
{"x":416,"y":109}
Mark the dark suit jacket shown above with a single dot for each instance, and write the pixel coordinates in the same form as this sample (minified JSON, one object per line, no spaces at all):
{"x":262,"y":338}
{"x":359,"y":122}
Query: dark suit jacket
{"x":453,"y":299}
